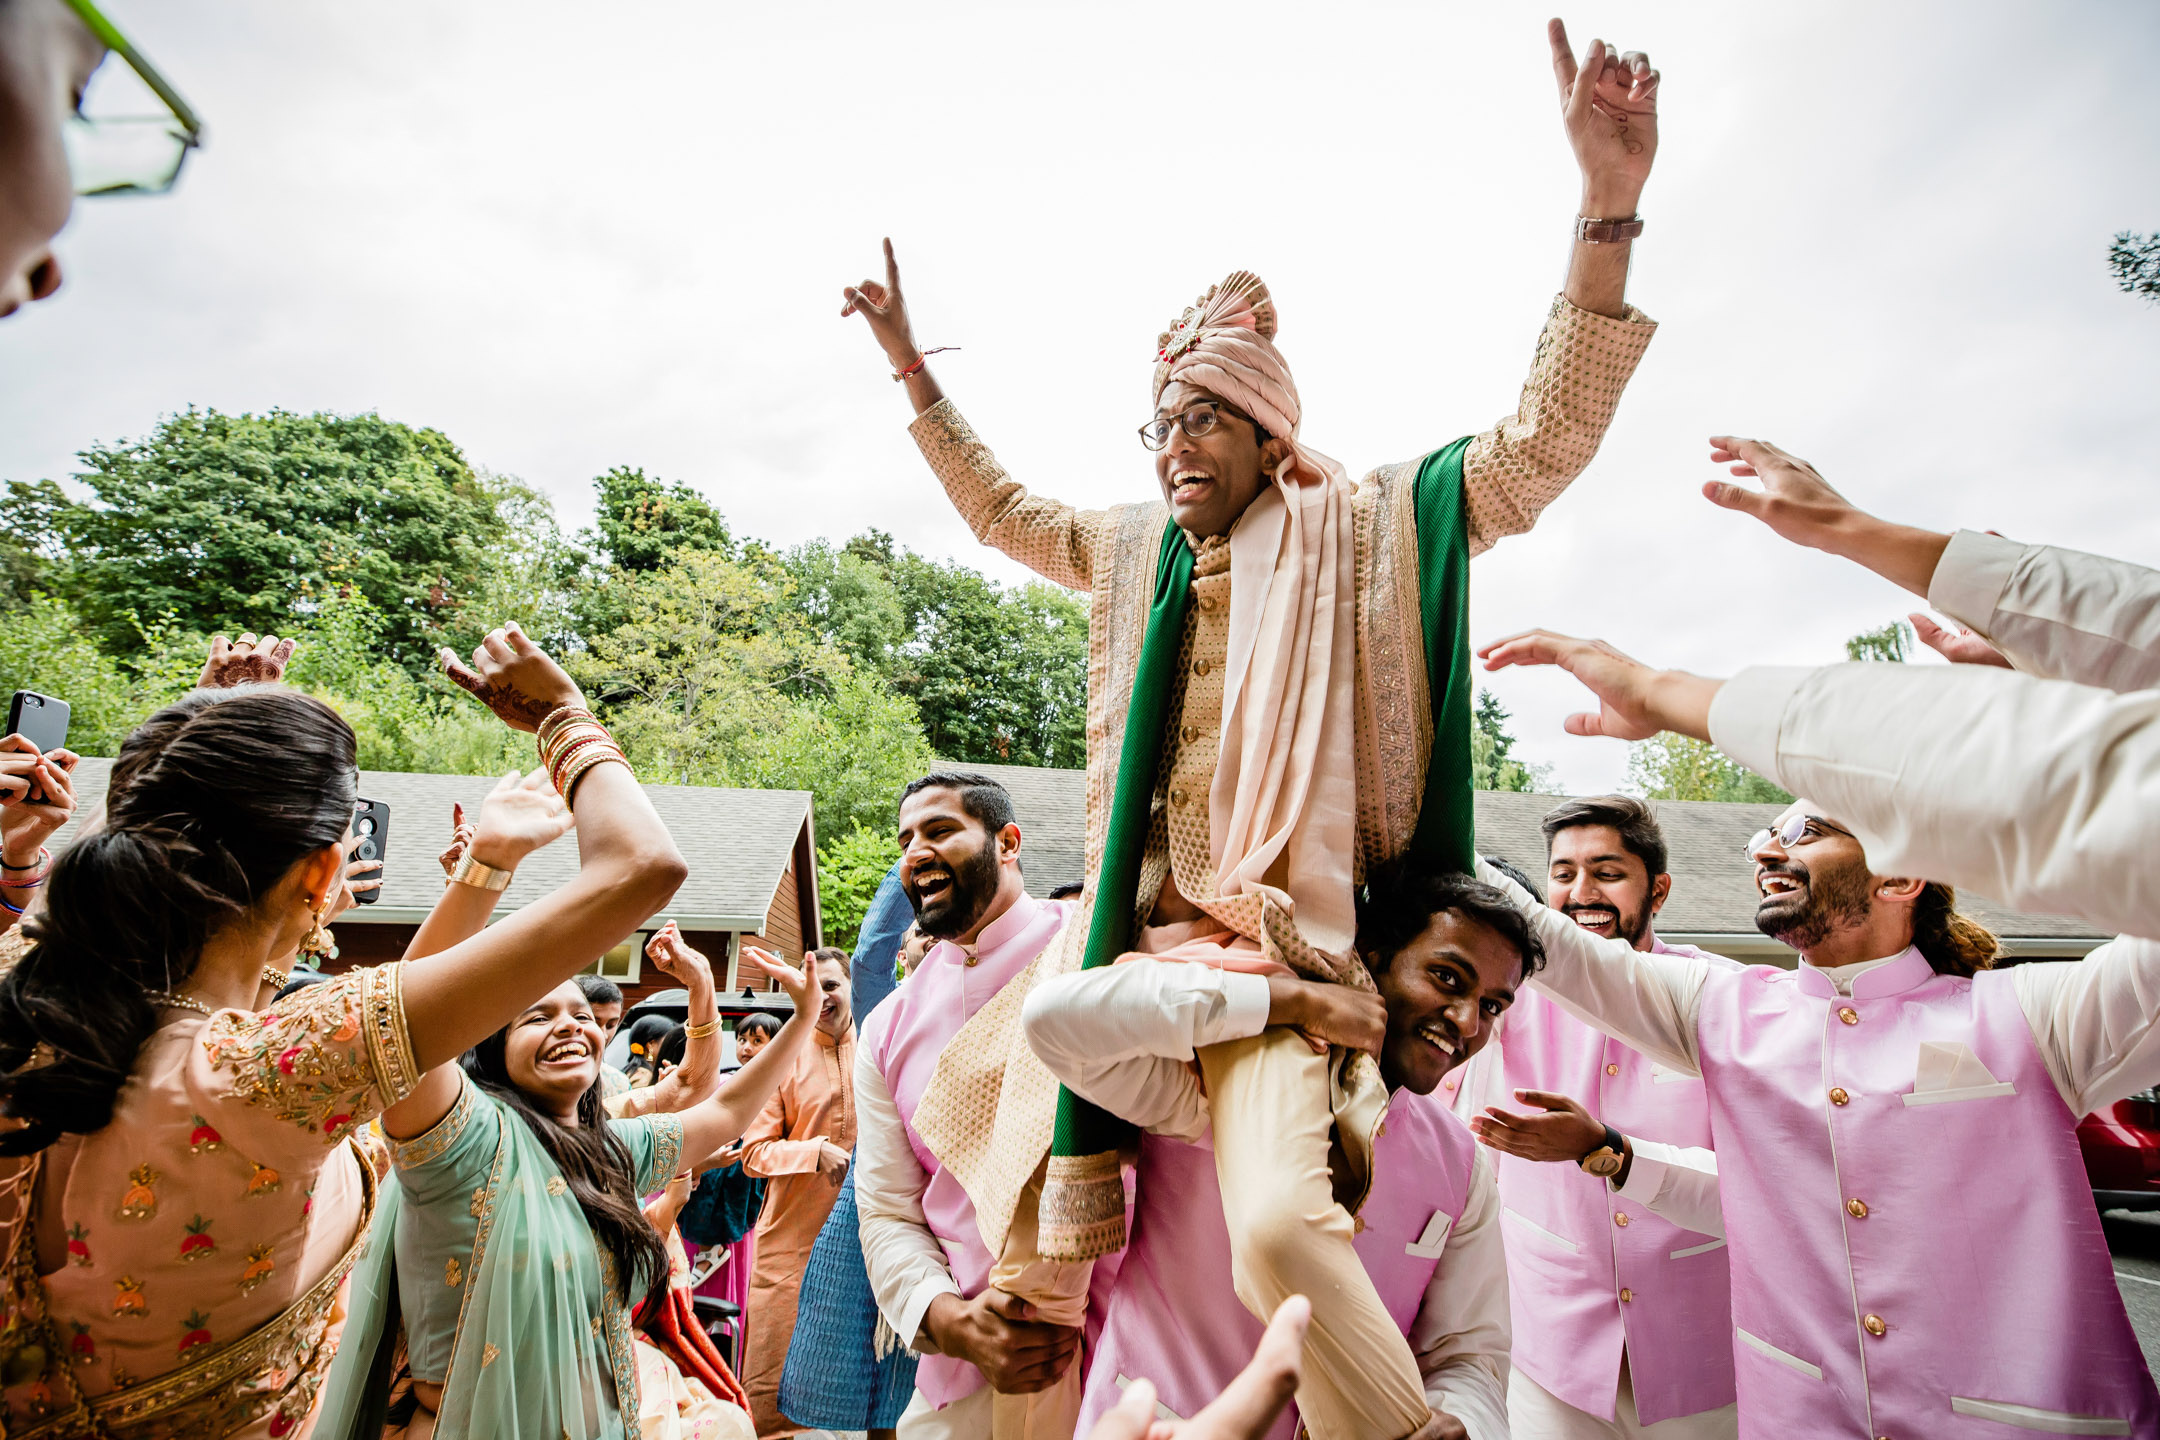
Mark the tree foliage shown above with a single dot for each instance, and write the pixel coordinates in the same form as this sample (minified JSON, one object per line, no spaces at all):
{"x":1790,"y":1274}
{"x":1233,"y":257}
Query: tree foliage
{"x":1893,"y":642}
{"x":850,"y":869}
{"x":1492,"y":763}
{"x":244,"y":522}
{"x":1679,"y":767}
{"x":2135,"y":261}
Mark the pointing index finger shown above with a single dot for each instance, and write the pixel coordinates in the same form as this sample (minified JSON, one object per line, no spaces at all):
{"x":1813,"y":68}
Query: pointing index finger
{"x":892,"y":269}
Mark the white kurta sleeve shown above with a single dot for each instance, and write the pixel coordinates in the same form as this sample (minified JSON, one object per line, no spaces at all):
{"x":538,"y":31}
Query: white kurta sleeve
{"x":1679,"y":1182}
{"x":2095,"y":1021}
{"x":1640,"y":998}
{"x":1461,"y":1335}
{"x":2041,"y":794}
{"x":906,"y":1264}
{"x":1123,"y":1036}
{"x":2058,"y":614}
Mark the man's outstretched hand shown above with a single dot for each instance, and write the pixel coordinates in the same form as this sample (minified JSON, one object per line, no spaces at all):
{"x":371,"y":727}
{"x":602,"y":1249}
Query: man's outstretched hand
{"x":1635,"y":702}
{"x":1609,"y":105}
{"x":1244,"y":1411}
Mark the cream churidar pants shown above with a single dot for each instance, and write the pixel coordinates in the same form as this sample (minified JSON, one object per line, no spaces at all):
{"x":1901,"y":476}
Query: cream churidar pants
{"x":967,"y":1418}
{"x":1289,"y":1236}
{"x":1534,"y":1413}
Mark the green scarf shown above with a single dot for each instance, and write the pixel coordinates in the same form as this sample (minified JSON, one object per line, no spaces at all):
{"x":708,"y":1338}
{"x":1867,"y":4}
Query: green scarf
{"x":1084,"y":1146}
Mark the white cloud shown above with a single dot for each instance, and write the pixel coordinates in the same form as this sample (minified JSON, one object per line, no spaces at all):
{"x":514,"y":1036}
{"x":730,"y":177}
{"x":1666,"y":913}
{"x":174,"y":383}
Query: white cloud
{"x":573,"y":237}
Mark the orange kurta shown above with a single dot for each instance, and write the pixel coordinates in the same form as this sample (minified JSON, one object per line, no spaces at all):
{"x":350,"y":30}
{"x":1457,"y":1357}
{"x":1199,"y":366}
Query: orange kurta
{"x":814,"y":1104}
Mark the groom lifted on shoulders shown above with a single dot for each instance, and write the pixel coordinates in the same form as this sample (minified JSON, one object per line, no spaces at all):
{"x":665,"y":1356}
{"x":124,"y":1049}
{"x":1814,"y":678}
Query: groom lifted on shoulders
{"x":1278,"y":702}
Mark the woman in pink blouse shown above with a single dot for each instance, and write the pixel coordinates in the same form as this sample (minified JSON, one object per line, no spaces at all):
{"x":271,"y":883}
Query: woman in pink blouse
{"x":182,"y":1206}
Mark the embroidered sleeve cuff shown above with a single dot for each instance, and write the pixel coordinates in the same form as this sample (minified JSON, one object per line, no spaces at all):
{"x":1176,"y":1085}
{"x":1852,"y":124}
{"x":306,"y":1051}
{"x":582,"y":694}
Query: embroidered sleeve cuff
{"x":1749,"y":713}
{"x":1632,"y":322}
{"x":918,"y":1305}
{"x":389,"y":1043}
{"x":1972,"y":577}
{"x":435,"y":1141}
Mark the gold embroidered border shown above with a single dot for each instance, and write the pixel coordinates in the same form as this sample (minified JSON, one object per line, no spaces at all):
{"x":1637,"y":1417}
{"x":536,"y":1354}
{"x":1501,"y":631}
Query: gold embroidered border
{"x":432,"y":1143}
{"x":382,"y":1016}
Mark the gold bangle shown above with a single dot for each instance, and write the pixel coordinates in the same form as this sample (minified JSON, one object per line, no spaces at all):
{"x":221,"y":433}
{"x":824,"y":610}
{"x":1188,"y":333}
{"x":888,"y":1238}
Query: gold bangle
{"x":587,"y":760}
{"x":481,"y":877}
{"x":560,"y":715}
{"x":699,"y":1032}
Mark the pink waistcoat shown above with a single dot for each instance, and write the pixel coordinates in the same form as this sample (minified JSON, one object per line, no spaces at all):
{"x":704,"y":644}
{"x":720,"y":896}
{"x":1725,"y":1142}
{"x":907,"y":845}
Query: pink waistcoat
{"x":1174,"y":1318}
{"x":906,"y":1035}
{"x":1915,"y":1251}
{"x":1569,"y":1261}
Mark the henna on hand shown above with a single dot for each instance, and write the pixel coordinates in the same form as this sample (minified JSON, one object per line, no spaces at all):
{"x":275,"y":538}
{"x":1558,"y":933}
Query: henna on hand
{"x":247,"y":661}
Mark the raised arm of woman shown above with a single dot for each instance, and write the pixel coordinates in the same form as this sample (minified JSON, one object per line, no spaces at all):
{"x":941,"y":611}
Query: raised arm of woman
{"x":628,"y":868}
{"x":722,"y":1120}
{"x":698,"y":1076}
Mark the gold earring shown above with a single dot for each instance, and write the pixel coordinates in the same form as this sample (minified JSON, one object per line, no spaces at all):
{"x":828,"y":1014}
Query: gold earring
{"x":318,"y":944}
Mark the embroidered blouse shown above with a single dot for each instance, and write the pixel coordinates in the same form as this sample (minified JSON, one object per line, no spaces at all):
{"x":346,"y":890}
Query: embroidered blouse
{"x":209,"y":1224}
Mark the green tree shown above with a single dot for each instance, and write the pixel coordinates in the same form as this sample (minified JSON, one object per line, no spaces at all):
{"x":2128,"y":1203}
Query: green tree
{"x":644,"y":523}
{"x":2135,"y":259}
{"x":714,"y":677}
{"x":850,"y":869}
{"x":1492,"y":763}
{"x":1679,"y":767}
{"x":249,"y":521}
{"x":998,"y":675}
{"x":44,"y":648}
{"x":1893,"y":642}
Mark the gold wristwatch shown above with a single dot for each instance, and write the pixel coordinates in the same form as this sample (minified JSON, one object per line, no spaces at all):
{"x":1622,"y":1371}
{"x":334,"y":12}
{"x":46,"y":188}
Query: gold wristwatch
{"x":1605,"y":1161}
{"x":469,"y":871}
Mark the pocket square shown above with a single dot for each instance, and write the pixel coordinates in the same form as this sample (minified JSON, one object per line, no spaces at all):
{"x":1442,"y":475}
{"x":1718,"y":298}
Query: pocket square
{"x":1948,"y":1067}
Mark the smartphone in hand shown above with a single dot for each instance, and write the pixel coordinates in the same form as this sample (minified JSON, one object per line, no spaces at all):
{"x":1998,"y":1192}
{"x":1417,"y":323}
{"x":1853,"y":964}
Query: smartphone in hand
{"x":43,"y":721}
{"x":371,"y":831}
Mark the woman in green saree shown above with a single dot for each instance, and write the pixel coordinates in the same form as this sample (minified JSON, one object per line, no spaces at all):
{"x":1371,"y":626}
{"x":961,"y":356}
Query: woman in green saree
{"x":511,"y":1246}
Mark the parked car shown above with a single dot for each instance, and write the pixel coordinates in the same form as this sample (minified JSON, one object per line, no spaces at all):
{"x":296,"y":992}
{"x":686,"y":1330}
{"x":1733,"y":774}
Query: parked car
{"x":675,"y":1005}
{"x":2121,"y":1146}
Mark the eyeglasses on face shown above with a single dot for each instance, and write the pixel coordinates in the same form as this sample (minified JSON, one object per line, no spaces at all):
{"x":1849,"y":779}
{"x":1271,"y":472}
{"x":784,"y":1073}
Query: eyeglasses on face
{"x":1197,"y":420}
{"x":129,"y":154}
{"x":1799,"y":830}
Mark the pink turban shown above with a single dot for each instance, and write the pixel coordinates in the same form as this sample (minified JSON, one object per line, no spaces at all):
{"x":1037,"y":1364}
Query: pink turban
{"x":1225,"y":344}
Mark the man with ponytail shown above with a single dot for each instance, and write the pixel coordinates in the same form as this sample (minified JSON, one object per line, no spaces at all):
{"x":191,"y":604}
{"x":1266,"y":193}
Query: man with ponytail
{"x":1913,"y":1244}
{"x":1278,"y":703}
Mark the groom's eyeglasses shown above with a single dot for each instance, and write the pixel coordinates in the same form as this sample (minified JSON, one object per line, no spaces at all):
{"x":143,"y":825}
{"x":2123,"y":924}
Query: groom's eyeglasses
{"x":1195,"y":422}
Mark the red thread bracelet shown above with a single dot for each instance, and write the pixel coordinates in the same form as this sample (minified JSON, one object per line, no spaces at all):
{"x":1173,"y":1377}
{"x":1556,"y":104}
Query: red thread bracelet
{"x":921,"y":360}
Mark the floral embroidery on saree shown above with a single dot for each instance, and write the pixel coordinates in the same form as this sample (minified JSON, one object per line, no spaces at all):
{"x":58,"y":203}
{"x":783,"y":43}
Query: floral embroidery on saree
{"x":326,"y":1059}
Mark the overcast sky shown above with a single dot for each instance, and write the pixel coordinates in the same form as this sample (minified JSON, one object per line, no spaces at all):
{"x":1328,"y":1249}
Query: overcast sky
{"x":576,"y":236}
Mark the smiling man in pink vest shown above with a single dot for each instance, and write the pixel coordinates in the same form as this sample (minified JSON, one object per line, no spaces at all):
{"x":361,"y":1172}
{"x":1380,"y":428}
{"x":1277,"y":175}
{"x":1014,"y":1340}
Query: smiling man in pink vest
{"x":1913,"y":1244}
{"x":1448,"y":955}
{"x":929,"y":1267}
{"x":1623,"y":1328}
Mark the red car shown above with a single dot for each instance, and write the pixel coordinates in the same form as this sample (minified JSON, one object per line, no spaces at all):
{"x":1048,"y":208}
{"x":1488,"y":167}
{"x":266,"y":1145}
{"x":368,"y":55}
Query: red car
{"x":2121,"y":1145}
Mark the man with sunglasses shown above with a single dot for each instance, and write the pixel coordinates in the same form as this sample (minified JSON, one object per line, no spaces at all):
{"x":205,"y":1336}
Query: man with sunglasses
{"x":51,"y":151}
{"x":1914,"y":1247}
{"x":1278,"y":702}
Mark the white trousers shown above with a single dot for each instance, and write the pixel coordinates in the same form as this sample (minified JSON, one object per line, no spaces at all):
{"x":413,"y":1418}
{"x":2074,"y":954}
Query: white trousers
{"x":1534,"y":1413}
{"x":967,"y":1418}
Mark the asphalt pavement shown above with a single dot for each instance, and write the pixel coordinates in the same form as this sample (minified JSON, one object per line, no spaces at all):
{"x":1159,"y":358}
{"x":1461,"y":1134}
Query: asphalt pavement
{"x":2134,"y":1239}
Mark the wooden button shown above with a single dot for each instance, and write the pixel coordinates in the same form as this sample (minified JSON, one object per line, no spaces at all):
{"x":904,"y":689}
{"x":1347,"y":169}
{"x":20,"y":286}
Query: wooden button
{"x":1838,"y":1095}
{"x":1856,"y":1208}
{"x":1189,"y":734}
{"x":1874,"y":1325}
{"x":1201,"y":667}
{"x":1177,"y":798}
{"x":1849,"y":1015}
{"x":1612,"y":1069}
{"x":1207,"y":602}
{"x":1357,"y":1226}
{"x":1626,"y":1295}
{"x":1620,"y":1218}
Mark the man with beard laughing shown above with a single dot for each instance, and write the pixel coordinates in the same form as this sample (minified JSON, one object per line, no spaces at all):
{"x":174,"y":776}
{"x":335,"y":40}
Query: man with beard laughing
{"x":929,"y":1268}
{"x":1623,"y":1329}
{"x":1913,"y":1243}
{"x":1448,"y":955}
